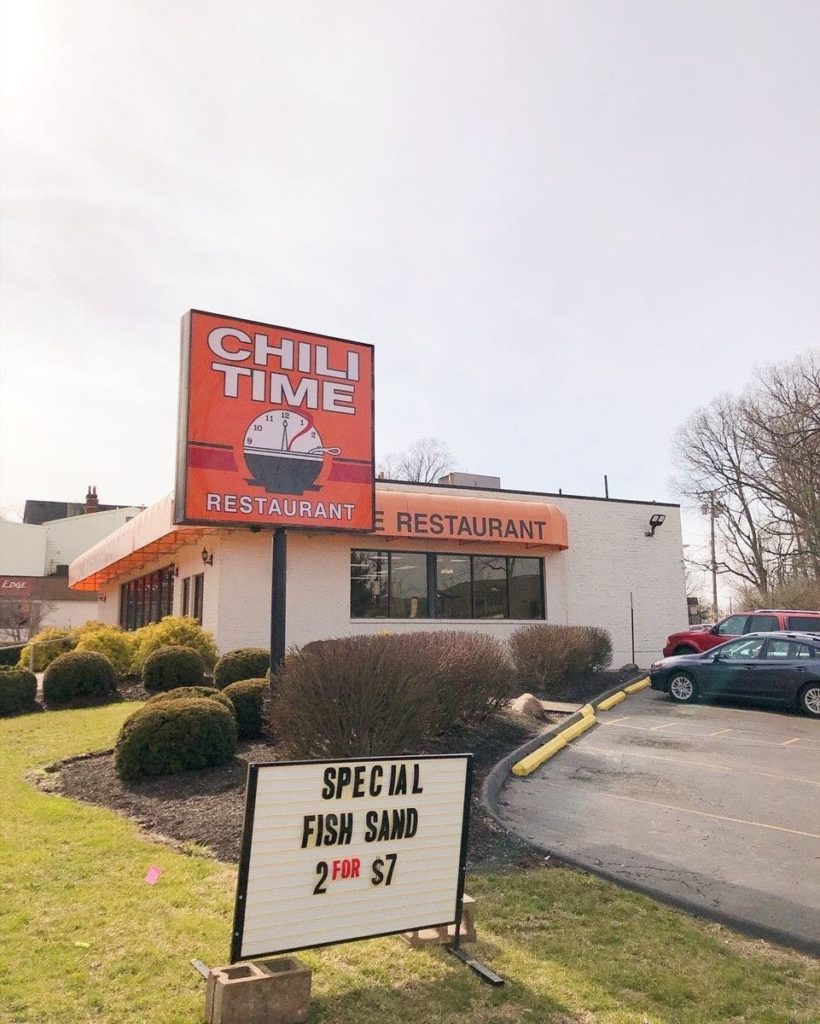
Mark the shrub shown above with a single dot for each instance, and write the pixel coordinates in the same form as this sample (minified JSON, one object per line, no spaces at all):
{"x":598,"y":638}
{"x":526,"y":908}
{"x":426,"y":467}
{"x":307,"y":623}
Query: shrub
{"x":550,"y":657}
{"x":48,"y":644}
{"x":187,"y":692}
{"x":173,"y":736}
{"x":170,"y":667}
{"x":10,"y":655}
{"x":249,"y":696}
{"x":173,"y":631}
{"x":79,"y":676}
{"x":111,"y":641}
{"x":18,"y":690}
{"x":246,"y":663}
{"x":91,"y":626}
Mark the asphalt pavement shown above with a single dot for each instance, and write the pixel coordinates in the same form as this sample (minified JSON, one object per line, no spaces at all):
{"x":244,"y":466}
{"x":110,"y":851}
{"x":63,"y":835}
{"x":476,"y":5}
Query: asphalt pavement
{"x":713,"y":807}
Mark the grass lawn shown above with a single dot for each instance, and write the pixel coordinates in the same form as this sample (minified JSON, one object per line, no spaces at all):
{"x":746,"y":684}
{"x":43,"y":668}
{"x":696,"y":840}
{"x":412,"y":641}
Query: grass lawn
{"x":85,"y":939}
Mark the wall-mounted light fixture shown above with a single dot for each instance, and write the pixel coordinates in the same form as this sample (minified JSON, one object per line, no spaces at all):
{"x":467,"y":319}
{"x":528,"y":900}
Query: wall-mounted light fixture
{"x":175,"y":571}
{"x":207,"y":557}
{"x":102,"y":597}
{"x":654,"y":522}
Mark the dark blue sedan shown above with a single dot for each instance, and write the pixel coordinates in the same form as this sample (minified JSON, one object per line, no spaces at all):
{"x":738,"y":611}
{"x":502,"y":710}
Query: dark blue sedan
{"x":781,"y":668}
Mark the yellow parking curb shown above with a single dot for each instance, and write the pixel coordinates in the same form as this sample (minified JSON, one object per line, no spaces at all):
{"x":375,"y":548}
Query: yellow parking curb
{"x":640,"y":685}
{"x":610,"y":702}
{"x":528,"y":764}
{"x":587,"y":710}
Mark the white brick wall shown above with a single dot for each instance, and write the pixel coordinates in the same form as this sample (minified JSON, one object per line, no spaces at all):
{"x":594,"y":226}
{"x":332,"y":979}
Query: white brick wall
{"x":589,"y":584}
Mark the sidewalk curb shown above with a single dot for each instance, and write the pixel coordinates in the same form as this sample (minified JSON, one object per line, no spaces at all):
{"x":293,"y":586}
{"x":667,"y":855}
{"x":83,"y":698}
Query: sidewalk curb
{"x":501,"y":772}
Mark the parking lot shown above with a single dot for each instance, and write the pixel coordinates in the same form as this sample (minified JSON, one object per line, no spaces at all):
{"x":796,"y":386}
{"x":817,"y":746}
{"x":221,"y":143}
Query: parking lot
{"x":715,"y":807}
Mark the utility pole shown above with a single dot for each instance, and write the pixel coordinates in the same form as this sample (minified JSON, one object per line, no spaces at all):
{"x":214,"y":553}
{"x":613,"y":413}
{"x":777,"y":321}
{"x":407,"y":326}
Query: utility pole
{"x":711,"y":511}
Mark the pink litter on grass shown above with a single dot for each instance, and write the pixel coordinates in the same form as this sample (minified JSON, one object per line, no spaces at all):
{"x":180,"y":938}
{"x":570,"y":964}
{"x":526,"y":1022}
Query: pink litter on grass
{"x":153,"y":875}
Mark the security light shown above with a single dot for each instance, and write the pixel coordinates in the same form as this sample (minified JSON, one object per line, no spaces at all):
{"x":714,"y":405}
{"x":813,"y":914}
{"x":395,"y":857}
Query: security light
{"x":654,"y":522}
{"x":207,"y":558}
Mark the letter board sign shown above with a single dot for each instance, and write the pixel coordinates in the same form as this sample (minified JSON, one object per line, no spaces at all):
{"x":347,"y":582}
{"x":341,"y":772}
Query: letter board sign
{"x":275,"y":427}
{"x":334,"y":851}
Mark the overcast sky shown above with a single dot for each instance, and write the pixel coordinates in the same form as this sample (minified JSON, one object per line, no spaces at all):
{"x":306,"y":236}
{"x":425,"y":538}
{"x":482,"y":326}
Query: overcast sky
{"x":563,"y":225}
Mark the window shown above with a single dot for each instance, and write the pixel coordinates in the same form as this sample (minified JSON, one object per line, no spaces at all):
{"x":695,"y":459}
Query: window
{"x":186,"y":595}
{"x":199,"y":594}
{"x":762,"y":624}
{"x":788,"y":649}
{"x":415,"y":585}
{"x":743,"y":650}
{"x":147,"y":599}
{"x":733,"y":626}
{"x":804,"y":623}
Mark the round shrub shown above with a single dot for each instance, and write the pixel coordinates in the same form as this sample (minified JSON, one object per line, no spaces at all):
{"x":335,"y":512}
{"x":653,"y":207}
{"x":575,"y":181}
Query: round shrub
{"x":246,"y":663}
{"x":174,"y":736}
{"x":18,"y":690}
{"x":173,"y":631}
{"x":83,"y":676}
{"x":248,"y":697}
{"x":171,"y":667}
{"x":187,"y":692}
{"x":48,"y":644}
{"x":111,"y":641}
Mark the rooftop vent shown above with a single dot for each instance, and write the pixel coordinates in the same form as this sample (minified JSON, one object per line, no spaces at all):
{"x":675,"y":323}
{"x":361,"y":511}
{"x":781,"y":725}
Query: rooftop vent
{"x":486,"y":483}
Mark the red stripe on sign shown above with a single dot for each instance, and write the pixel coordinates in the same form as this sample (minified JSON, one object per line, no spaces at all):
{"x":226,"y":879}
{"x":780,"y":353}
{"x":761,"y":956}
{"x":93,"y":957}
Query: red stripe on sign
{"x":351,"y":472}
{"x":200,"y":457}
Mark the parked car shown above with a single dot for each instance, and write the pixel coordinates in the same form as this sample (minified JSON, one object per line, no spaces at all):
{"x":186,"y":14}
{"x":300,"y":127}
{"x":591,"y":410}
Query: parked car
{"x":764,"y":620}
{"x":782,"y":668}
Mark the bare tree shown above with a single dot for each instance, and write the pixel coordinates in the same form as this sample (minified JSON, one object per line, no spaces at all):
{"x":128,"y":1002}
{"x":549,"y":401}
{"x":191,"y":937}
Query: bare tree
{"x":424,"y":461}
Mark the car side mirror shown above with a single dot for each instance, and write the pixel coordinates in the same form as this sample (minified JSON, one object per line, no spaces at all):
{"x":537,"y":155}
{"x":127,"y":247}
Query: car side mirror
{"x":714,"y":631}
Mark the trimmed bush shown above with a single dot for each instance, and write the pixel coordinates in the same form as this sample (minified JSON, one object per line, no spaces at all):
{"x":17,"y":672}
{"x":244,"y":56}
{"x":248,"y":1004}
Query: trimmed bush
{"x":245,"y":663}
{"x":79,"y":676}
{"x":168,"y":668}
{"x":550,"y":657}
{"x":18,"y":690}
{"x":187,"y":692}
{"x":173,"y":631}
{"x":175,"y":736}
{"x":111,"y":641}
{"x":380,"y":695}
{"x":48,"y":644}
{"x":10,"y":655}
{"x":248,"y":697}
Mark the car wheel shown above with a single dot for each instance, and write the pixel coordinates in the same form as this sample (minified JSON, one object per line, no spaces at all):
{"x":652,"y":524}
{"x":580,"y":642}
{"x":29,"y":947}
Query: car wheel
{"x":684,"y":649}
{"x":809,"y":700}
{"x":682,"y":689}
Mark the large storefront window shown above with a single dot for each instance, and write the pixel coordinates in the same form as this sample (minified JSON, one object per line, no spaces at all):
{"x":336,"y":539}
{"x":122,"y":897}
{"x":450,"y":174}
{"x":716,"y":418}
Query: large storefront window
{"x":414,"y":585}
{"x":147,"y":599}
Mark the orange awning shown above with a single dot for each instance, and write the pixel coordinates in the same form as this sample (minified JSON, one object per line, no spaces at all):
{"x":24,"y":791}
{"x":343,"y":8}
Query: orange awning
{"x":456,"y":517}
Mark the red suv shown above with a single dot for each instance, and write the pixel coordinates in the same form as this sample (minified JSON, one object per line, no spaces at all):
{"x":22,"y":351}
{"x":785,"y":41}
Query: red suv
{"x":765,"y":620}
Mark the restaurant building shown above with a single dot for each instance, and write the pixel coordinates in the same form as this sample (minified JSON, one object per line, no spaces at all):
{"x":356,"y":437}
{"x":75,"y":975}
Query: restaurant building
{"x":460,"y":554}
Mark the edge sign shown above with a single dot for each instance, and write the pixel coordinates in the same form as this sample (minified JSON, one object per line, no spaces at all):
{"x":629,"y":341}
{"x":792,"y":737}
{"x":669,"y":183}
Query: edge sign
{"x":334,"y":851}
{"x":275,"y":427}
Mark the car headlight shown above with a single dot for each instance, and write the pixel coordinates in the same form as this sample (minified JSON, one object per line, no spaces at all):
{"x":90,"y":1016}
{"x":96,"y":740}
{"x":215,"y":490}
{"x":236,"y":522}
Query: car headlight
{"x":654,"y":665}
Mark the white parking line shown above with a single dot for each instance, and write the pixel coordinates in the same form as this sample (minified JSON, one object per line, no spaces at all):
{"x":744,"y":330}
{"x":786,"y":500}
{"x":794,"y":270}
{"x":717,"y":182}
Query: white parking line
{"x":741,"y":735}
{"x":744,"y":770}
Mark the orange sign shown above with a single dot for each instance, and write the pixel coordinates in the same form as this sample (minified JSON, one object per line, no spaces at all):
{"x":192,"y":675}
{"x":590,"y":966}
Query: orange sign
{"x":470,"y":520}
{"x":276,"y":427}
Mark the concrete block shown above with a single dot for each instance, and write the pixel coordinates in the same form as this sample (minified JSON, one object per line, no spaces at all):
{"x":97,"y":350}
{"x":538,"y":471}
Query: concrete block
{"x":264,"y":992}
{"x":445,"y":934}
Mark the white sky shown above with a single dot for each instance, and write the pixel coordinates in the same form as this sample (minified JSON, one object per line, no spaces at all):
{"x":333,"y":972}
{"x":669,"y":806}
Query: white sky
{"x":564,"y":225}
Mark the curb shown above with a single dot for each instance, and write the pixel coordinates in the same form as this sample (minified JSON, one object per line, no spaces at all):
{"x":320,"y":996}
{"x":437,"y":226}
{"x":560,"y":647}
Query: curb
{"x":576,"y":724}
{"x":501,"y":772}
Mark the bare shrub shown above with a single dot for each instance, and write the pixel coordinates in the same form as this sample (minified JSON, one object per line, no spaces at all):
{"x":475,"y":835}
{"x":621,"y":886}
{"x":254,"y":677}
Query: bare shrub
{"x":378,"y":695}
{"x":548,"y":657}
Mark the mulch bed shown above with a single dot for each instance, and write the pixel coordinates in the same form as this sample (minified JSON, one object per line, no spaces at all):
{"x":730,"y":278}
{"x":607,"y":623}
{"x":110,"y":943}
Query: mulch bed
{"x":207,"y":807}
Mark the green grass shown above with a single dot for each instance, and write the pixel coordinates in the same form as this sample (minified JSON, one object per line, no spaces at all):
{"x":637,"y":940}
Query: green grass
{"x":84,"y":939}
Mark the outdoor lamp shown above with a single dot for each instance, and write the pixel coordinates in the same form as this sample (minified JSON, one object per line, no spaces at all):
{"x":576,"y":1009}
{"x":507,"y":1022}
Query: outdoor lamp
{"x":207,"y":558}
{"x":654,"y":522}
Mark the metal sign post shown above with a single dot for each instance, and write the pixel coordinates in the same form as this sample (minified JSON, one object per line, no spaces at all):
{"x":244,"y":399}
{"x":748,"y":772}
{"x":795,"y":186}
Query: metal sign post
{"x":278,"y":597}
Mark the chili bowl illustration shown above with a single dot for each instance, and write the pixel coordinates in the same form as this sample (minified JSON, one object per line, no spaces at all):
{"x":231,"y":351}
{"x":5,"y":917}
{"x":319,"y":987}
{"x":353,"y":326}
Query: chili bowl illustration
{"x":284,"y":452}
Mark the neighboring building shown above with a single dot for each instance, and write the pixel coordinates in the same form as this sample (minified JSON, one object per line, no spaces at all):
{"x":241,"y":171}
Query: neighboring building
{"x":443,"y":556}
{"x":34,"y":560}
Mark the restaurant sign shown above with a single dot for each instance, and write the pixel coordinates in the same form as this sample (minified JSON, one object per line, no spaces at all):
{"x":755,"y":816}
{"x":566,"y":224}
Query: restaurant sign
{"x":275,"y":427}
{"x":334,"y":851}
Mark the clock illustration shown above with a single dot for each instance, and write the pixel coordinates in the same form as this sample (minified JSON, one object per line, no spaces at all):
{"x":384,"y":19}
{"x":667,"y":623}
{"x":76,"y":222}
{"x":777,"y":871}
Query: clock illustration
{"x":284,"y":452}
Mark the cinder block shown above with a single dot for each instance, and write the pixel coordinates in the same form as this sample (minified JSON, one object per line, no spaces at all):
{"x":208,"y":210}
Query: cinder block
{"x":265,"y":992}
{"x":445,"y":934}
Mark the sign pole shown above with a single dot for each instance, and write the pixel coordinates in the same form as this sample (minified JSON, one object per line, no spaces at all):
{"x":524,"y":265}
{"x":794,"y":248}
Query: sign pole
{"x":278,"y":597}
